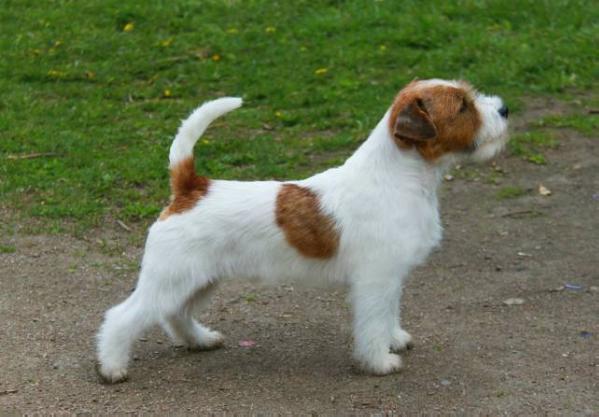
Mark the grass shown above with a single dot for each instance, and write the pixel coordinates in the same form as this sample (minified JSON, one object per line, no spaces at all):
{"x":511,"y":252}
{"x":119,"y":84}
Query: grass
{"x":7,"y":249}
{"x":530,"y":145}
{"x":93,"y":91}
{"x":587,"y":124}
{"x":510,"y":192}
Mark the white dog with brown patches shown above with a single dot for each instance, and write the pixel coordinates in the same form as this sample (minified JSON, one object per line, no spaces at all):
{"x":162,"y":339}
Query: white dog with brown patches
{"x":366,"y":224}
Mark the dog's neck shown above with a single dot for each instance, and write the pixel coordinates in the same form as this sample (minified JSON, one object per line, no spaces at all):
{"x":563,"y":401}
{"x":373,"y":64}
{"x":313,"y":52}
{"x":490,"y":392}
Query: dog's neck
{"x":379,"y":156}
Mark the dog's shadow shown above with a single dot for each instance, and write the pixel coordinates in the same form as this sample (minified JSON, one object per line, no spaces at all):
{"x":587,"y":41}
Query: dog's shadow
{"x":320,"y":349}
{"x":317,"y":350}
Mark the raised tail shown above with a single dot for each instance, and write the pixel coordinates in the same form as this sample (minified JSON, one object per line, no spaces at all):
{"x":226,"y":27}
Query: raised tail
{"x":194,"y":126}
{"x":186,"y":186}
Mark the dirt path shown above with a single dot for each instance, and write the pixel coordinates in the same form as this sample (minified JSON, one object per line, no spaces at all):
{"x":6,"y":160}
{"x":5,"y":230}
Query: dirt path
{"x":473,"y":355}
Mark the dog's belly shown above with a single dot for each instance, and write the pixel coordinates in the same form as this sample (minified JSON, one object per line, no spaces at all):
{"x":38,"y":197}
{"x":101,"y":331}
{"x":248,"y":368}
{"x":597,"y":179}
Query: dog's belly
{"x":275,"y":261}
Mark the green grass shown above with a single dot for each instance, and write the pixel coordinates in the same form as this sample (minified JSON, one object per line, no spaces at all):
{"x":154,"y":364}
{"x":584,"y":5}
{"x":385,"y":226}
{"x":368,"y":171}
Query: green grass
{"x":530,"y":145}
{"x":587,"y":124}
{"x":98,"y":87}
{"x":510,"y":192}
{"x":7,"y":249}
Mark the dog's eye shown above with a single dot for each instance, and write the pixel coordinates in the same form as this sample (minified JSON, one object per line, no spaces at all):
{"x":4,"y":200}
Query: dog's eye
{"x":464,"y":106}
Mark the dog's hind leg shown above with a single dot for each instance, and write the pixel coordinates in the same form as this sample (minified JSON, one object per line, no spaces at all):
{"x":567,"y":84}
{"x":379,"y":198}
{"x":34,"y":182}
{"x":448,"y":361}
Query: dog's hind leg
{"x":123,"y":324}
{"x":184,"y":330}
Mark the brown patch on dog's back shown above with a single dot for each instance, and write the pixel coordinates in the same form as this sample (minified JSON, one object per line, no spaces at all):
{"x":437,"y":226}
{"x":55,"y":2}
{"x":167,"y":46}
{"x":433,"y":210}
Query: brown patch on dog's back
{"x":187,"y":188}
{"x":446,"y":110}
{"x":306,"y":228}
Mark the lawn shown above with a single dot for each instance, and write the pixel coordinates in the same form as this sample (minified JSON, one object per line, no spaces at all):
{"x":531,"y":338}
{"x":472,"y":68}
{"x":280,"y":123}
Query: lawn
{"x":93,"y":91}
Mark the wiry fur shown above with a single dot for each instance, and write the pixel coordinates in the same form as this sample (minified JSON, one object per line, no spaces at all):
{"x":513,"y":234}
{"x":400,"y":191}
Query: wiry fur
{"x":383,"y":200}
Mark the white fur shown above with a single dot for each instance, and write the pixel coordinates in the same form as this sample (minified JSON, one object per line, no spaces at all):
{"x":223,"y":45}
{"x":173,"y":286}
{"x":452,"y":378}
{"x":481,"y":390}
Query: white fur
{"x":194,"y":126}
{"x":384,"y":202}
{"x":492,"y":136}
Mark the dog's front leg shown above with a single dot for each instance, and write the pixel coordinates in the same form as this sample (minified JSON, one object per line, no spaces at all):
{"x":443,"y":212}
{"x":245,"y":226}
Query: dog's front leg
{"x":400,"y":339}
{"x":374,"y":301}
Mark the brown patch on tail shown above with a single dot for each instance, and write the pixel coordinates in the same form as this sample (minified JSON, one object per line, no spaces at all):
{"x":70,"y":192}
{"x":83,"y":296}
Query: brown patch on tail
{"x":306,"y":228}
{"x":187,"y":188}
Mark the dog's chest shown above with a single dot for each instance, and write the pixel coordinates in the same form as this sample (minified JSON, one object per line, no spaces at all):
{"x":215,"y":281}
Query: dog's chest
{"x":416,"y":228}
{"x":428,"y":236}
{"x":404,"y":221}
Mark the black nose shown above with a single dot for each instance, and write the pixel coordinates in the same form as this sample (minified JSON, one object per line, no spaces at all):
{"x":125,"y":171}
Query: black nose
{"x":504,"y":111}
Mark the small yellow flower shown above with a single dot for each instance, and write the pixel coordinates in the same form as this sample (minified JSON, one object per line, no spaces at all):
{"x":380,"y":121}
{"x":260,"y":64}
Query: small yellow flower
{"x":321,"y":71}
{"x":233,"y":31}
{"x":166,"y":42}
{"x":128,"y":27}
{"x":167,"y":93}
{"x":56,"y":74}
{"x":205,"y":141}
{"x":216,"y":57}
{"x":279,"y":114}
{"x":270,"y":29}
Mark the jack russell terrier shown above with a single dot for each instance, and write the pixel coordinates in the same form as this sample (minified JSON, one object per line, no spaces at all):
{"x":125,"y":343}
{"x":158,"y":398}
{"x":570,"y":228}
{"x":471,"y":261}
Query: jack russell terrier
{"x":366,"y":224}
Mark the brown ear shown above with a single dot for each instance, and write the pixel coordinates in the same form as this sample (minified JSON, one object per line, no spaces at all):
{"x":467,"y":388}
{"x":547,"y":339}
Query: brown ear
{"x":414,"y":124}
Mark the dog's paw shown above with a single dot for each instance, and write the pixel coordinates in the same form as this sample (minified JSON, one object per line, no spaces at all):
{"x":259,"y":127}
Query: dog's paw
{"x":401,"y":340}
{"x":209,"y":340}
{"x":111,"y":376}
{"x":383,"y":365}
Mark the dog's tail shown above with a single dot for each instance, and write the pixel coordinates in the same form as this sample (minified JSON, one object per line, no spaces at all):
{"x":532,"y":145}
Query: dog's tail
{"x":194,"y":126}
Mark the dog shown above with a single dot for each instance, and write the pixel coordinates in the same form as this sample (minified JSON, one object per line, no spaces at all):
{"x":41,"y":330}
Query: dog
{"x":365,"y":224}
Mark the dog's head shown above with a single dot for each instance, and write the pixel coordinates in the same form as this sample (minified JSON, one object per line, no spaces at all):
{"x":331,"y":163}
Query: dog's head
{"x":438,"y":118}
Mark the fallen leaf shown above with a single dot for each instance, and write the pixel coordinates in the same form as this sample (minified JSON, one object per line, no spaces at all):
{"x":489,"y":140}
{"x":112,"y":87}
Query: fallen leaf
{"x":513,"y":301}
{"x":544,"y":191}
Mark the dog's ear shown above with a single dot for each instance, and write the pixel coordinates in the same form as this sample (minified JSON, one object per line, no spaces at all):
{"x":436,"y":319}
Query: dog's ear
{"x":414,"y":124}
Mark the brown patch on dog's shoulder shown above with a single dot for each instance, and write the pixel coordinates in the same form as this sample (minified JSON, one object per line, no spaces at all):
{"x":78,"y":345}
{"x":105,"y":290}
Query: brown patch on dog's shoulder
{"x":305,"y":226}
{"x":187,"y":188}
{"x":436,"y":120}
